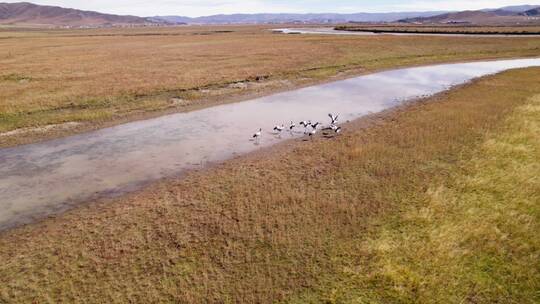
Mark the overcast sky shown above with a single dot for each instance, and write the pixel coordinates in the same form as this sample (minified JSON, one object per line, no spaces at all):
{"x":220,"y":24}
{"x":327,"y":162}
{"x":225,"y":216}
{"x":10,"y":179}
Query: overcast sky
{"x":194,"y":8}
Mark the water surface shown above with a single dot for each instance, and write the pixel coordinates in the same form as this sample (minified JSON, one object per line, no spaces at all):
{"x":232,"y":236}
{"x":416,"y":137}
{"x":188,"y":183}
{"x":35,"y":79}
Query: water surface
{"x":46,"y":178}
{"x":332,"y":31}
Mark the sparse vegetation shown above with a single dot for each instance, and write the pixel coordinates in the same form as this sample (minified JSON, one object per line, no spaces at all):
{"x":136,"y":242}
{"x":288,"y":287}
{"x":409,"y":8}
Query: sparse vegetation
{"x":106,"y":76}
{"x":15,"y":77}
{"x":416,"y":205}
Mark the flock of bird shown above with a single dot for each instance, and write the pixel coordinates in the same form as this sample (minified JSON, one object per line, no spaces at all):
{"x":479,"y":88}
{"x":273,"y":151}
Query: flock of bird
{"x":310,"y":129}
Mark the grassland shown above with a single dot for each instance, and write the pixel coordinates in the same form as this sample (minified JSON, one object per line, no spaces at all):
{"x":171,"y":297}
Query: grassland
{"x":56,"y":82}
{"x":433,"y":203}
{"x":474,"y":234}
{"x":444,"y":29}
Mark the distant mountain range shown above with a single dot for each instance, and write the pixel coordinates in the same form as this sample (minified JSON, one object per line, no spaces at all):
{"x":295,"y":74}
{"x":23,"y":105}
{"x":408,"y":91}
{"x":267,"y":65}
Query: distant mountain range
{"x":515,"y":8}
{"x":294,"y":18}
{"x":505,"y":15}
{"x":24,"y":13}
{"x":338,"y":18}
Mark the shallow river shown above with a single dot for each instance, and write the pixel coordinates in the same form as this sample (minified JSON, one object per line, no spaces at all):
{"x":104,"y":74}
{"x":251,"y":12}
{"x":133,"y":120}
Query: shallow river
{"x":47,"y":178}
{"x":332,"y":31}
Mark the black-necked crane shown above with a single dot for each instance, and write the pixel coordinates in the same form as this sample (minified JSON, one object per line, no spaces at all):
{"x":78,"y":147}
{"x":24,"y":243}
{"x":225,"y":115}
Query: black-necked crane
{"x":315,"y":125}
{"x":292,"y":126}
{"x":304,"y":123}
{"x":279,"y":129}
{"x":258,"y":134}
{"x":333,"y":118}
{"x":335,"y":128}
{"x":332,"y":127}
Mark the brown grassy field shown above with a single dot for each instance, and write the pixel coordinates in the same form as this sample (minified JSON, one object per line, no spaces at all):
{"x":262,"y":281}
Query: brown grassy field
{"x":107,"y":76}
{"x":433,"y":203}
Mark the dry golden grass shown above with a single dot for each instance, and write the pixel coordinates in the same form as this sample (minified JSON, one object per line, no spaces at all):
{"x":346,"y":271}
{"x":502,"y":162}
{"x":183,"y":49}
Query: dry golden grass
{"x":298,"y":223}
{"x":96,"y":76}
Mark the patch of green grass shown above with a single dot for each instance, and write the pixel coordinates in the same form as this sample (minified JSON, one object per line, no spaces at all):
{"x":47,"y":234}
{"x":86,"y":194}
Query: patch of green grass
{"x":15,"y":77}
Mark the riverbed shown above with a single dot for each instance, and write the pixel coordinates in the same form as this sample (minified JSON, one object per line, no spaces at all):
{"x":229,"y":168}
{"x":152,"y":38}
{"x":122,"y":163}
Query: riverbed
{"x":47,"y":178}
{"x":332,"y":31}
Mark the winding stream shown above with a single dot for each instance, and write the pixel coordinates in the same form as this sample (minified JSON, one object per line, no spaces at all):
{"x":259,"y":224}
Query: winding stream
{"x":48,"y":178}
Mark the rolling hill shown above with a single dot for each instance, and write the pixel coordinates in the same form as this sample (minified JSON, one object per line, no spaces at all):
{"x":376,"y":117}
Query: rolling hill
{"x":517,"y":8}
{"x":532,"y":12}
{"x":24,"y":13}
{"x":511,"y":15}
